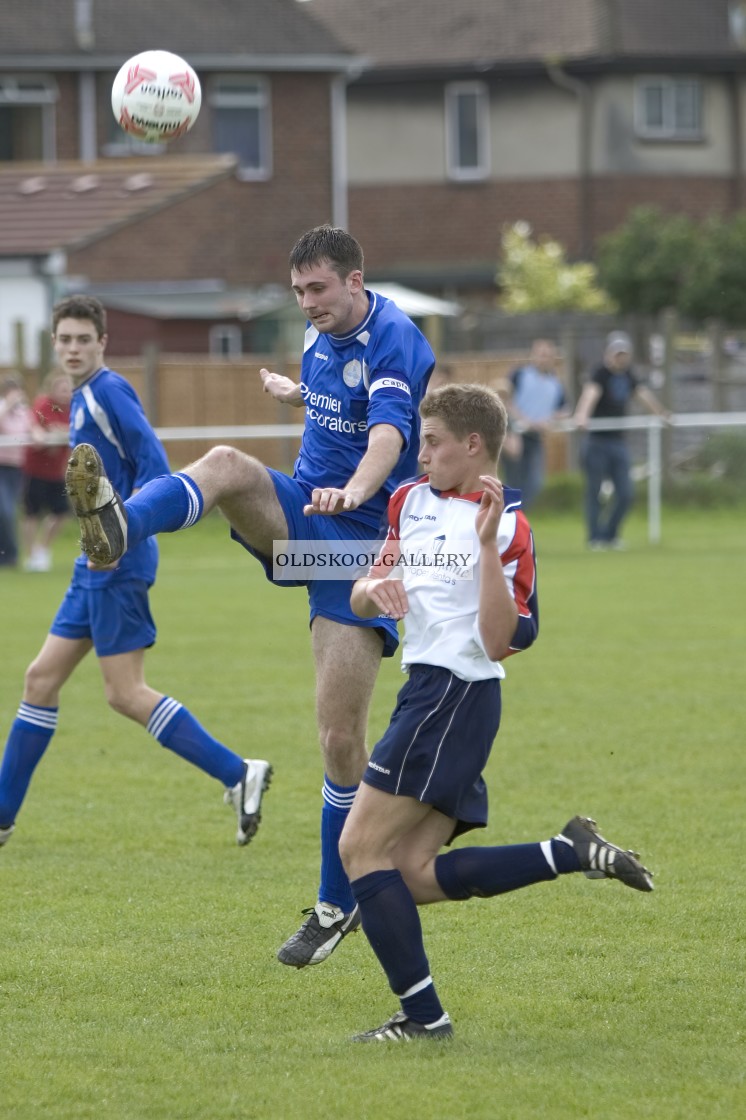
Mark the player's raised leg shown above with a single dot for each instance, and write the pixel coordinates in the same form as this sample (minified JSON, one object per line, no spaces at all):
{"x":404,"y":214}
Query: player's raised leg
{"x":224,"y":477}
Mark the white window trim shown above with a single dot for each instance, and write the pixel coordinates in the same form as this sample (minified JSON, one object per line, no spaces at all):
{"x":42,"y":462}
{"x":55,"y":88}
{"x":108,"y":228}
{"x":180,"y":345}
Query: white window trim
{"x":12,"y":90}
{"x":668,"y":130}
{"x":232,"y":334}
{"x":224,"y":99}
{"x":452,"y":91}
{"x":12,"y":93}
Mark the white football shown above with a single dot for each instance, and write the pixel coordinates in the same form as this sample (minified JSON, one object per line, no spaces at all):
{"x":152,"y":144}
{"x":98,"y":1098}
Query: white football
{"x":156,"y":96}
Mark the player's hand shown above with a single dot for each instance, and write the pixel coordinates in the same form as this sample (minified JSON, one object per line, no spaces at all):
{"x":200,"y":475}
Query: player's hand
{"x":331,"y":500}
{"x":92,"y":566}
{"x":389,"y":596}
{"x":280,"y":387}
{"x":490,"y":509}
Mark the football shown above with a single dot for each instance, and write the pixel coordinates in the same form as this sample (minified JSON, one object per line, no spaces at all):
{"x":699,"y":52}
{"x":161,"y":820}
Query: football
{"x":156,"y":96}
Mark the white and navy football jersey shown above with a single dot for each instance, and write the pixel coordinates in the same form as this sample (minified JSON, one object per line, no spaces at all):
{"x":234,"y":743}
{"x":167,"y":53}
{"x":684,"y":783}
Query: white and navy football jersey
{"x":105,"y":411}
{"x":441,"y":626}
{"x":377,"y":374}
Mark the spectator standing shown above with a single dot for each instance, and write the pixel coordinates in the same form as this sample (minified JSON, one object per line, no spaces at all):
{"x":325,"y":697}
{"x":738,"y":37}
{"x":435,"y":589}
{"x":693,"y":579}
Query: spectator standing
{"x":45,"y":504}
{"x":536,"y":399}
{"x":16,"y":422}
{"x":605,"y":456}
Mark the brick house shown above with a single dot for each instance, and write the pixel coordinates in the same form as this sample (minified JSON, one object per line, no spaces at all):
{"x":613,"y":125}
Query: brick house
{"x":565,"y":113}
{"x":80,"y":199}
{"x":423,"y":127}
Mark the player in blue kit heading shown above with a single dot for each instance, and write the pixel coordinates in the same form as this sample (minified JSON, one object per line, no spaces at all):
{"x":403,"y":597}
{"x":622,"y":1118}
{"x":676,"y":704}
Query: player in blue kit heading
{"x":107,"y":609}
{"x":364,"y":371}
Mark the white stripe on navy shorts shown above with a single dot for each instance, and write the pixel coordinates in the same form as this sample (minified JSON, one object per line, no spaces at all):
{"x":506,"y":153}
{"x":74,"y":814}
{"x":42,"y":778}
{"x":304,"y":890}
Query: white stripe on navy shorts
{"x":438,"y":742}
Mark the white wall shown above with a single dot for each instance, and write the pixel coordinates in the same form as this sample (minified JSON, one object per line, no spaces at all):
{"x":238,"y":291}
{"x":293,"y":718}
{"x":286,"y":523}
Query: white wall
{"x":24,"y":298}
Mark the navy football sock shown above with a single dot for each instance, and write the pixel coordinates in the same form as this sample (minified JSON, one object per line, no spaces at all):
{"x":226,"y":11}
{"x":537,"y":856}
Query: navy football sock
{"x":485,"y":872}
{"x":392,"y":925}
{"x":29,"y":737}
{"x":176,"y":728}
{"x":334,"y":886}
{"x":167,"y":503}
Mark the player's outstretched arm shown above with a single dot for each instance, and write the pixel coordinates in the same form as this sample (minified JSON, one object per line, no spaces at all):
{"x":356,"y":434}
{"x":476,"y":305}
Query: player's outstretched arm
{"x":281,"y":388}
{"x":373,"y":597}
{"x":384,"y":448}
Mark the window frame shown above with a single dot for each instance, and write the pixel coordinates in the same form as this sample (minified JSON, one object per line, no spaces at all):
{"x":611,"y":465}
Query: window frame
{"x":456,"y":170}
{"x":669,"y":129}
{"x":232,"y":335}
{"x":259,"y":101}
{"x":13,"y":94}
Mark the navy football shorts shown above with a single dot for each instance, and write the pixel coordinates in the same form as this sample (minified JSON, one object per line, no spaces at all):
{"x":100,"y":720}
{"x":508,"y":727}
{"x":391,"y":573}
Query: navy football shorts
{"x":115,"y":616}
{"x":437,"y":744}
{"x":328,"y":598}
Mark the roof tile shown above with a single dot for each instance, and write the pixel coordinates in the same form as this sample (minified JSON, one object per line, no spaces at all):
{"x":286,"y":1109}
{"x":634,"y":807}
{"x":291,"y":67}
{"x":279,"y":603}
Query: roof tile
{"x":50,"y":206}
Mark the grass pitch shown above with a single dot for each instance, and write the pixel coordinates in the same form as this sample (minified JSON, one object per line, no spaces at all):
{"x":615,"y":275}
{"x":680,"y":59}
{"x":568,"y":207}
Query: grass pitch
{"x":138,"y":978}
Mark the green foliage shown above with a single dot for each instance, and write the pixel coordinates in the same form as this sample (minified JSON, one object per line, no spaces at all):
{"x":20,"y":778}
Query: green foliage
{"x":714,"y":284}
{"x":655,"y":261}
{"x":562,"y":493}
{"x":715,"y":475}
{"x":645,"y":264}
{"x":535,"y":276}
{"x":138,"y":973}
{"x":723,"y":455}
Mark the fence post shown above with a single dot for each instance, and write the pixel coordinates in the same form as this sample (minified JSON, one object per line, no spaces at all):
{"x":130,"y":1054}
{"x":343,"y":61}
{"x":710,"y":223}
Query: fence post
{"x":715,"y":339}
{"x":150,"y":373}
{"x":569,"y":349}
{"x":670,"y":323}
{"x":654,"y":480}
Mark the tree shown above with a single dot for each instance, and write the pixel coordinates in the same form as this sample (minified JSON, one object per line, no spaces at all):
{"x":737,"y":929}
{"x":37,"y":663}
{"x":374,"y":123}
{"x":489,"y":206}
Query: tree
{"x":535,"y":276}
{"x":716,"y":281}
{"x":647,"y":262}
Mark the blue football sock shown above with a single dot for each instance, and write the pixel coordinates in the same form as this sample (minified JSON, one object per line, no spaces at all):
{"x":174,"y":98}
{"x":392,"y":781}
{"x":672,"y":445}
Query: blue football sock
{"x":167,"y":503}
{"x":29,"y":737}
{"x":392,"y":925}
{"x":484,"y":872}
{"x":176,"y":728}
{"x":334,"y":886}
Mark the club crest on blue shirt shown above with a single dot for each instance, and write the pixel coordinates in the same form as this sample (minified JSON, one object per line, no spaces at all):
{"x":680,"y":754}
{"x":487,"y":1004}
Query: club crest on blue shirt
{"x":352,"y":373}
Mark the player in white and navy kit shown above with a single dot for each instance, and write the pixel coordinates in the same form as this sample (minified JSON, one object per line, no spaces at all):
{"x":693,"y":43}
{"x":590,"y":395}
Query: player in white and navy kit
{"x":458,"y":566}
{"x":108,"y":610}
{"x":364,"y":371}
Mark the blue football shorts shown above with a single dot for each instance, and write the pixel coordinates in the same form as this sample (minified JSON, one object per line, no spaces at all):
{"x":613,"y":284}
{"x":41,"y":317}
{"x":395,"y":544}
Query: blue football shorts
{"x":437,"y":744}
{"x":115,"y":616}
{"x":328,"y":598}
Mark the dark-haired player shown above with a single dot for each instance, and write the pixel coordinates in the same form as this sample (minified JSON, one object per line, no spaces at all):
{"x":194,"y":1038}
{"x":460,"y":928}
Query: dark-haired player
{"x":364,"y":370}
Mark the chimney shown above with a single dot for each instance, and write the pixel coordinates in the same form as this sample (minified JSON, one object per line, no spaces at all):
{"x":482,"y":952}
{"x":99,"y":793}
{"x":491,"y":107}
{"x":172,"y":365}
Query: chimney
{"x":84,"y":34}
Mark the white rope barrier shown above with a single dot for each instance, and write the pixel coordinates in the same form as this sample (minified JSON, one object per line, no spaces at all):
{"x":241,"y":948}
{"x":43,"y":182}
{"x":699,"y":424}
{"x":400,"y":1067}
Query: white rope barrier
{"x":652,"y":424}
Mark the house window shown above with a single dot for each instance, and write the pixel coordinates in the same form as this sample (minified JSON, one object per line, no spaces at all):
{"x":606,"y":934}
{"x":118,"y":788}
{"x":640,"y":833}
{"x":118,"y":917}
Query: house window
{"x":240,"y":122}
{"x":27,"y":106}
{"x":225,"y":341}
{"x":467,"y":130}
{"x":669,"y":108}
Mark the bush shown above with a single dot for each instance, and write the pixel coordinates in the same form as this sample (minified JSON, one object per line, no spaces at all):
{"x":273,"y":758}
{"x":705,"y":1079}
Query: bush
{"x":722,"y":455}
{"x":714,"y":475}
{"x":645,"y":263}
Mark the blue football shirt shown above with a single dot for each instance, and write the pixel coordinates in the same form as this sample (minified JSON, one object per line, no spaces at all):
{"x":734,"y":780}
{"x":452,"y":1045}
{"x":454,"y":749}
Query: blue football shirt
{"x":376,"y":374}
